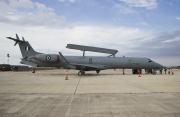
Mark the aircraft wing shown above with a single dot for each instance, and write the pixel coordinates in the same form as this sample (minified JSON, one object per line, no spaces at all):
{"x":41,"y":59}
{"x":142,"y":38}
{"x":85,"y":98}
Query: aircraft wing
{"x":88,"y":67}
{"x":83,"y":66}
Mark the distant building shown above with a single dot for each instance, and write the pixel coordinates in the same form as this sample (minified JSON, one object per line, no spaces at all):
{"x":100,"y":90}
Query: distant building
{"x":7,"y":67}
{"x":19,"y":68}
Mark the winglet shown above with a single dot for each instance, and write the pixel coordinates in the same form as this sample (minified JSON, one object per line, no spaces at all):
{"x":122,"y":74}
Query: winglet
{"x":17,"y":37}
{"x":17,"y":40}
{"x":23,"y":39}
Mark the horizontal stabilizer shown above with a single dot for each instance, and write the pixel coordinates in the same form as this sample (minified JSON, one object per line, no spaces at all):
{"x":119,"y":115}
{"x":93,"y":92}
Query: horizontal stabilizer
{"x":17,"y":40}
{"x":93,"y":49}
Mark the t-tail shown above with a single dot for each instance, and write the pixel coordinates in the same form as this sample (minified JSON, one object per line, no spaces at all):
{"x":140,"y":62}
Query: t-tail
{"x":33,"y":58}
{"x":25,"y":47}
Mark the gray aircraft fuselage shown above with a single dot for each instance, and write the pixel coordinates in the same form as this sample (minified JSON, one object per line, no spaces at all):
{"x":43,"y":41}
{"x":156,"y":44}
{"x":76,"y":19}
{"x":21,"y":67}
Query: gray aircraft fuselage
{"x":82,"y":63}
{"x":102,"y":63}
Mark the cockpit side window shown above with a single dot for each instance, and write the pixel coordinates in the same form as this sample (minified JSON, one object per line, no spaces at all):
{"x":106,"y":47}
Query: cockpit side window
{"x":149,"y":60}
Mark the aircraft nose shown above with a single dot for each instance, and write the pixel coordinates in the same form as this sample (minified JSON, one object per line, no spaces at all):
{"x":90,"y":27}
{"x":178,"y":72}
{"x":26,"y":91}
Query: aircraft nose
{"x":159,"y":66}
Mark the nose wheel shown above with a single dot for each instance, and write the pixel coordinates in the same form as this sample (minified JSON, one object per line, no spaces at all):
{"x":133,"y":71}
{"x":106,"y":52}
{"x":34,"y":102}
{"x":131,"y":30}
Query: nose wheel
{"x":81,"y":73}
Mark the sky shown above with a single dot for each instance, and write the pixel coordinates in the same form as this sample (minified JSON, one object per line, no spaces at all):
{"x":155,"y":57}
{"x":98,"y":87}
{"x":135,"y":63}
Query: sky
{"x":136,"y":28}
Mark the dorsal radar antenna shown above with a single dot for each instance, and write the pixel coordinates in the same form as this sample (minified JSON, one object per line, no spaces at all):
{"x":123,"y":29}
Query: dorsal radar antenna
{"x":92,"y":49}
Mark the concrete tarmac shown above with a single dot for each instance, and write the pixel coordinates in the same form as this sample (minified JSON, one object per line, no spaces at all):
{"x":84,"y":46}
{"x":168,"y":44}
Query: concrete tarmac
{"x":109,"y":94}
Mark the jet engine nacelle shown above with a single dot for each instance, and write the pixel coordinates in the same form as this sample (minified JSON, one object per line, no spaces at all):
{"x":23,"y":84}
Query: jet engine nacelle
{"x":51,"y":58}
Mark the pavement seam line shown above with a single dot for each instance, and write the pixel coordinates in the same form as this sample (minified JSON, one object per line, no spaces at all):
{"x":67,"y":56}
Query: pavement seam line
{"x":77,"y":86}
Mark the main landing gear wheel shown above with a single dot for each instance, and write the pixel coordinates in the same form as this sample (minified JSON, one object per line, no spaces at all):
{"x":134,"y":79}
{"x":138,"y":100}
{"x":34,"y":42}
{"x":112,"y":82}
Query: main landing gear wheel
{"x":97,"y":71}
{"x":81,"y":73}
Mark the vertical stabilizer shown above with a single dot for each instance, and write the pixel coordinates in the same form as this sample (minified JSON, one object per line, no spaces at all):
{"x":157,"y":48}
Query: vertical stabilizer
{"x":26,"y":49}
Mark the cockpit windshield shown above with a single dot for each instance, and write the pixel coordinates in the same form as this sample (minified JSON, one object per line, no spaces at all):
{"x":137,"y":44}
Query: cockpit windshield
{"x":149,"y":60}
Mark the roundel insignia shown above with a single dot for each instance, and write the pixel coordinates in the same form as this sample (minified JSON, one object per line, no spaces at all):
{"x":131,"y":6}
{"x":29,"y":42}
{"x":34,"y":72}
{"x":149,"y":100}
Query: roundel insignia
{"x":48,"y":58}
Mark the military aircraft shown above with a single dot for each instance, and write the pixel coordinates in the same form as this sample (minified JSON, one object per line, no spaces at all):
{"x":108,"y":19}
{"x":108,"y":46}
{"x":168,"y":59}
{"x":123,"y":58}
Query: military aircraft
{"x":82,"y":63}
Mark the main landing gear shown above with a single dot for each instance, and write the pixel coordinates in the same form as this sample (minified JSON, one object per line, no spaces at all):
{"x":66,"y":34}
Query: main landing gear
{"x":81,"y":73}
{"x":97,"y":71}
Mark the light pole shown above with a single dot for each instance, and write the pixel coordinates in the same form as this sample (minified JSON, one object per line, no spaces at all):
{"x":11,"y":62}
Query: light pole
{"x":8,"y":57}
